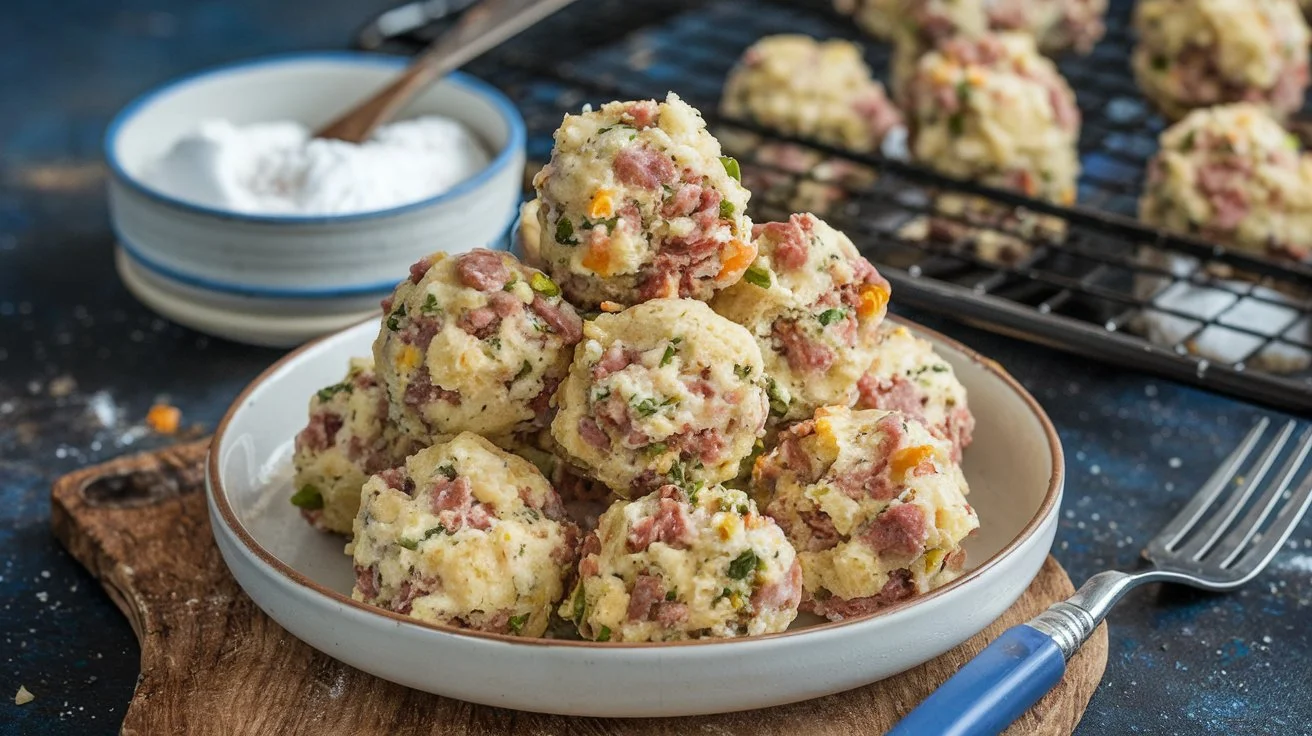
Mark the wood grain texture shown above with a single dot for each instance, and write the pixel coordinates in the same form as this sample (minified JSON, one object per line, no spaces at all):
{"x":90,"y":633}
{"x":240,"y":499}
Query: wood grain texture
{"x":213,"y":663}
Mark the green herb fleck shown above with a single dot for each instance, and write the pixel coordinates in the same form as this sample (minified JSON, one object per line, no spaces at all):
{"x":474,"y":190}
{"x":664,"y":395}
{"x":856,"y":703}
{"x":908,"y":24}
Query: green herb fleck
{"x":743,"y":371}
{"x":731,"y":167}
{"x":308,"y":498}
{"x":604,"y":634}
{"x":778,"y":400}
{"x":517,"y":623}
{"x":757,"y":276}
{"x":673,"y":595}
{"x":743,"y":565}
{"x":524,"y":370}
{"x":940,"y":368}
{"x":670,"y":351}
{"x":430,"y":305}
{"x":565,"y":232}
{"x":408,"y":543}
{"x":325,"y":394}
{"x":646,"y":407}
{"x":744,"y":509}
{"x":448,"y":471}
{"x":439,"y":529}
{"x":1160,"y":63}
{"x":723,"y":594}
{"x":694,"y":491}
{"x":394,"y":320}
{"x":580,"y":604}
{"x":655,"y":448}
{"x":830,"y":316}
{"x":542,"y":284}
{"x":726,"y":209}
{"x":957,"y":124}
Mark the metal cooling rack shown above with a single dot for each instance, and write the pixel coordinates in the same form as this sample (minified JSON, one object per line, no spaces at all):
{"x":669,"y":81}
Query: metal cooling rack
{"x":1089,"y":279}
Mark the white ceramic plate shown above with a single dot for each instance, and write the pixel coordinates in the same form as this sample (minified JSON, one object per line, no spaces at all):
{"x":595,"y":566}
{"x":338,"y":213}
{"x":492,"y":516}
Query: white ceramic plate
{"x":301,"y":578}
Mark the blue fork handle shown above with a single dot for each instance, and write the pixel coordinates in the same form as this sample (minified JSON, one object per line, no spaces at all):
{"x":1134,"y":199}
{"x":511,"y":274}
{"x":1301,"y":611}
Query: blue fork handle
{"x":992,"y":690}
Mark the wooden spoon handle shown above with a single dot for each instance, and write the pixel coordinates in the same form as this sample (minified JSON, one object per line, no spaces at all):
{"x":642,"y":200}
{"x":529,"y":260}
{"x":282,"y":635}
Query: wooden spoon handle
{"x":483,"y":26}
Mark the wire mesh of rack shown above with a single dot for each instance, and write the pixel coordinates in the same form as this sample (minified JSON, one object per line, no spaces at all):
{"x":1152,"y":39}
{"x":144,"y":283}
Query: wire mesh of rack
{"x":1087,"y":279}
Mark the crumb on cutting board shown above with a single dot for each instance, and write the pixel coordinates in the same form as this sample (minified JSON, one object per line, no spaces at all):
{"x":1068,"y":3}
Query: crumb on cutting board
{"x":23,"y":697}
{"x":164,"y":418}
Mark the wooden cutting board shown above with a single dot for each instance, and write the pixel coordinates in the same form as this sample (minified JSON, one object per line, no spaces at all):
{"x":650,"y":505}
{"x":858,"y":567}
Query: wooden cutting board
{"x":212,"y":662}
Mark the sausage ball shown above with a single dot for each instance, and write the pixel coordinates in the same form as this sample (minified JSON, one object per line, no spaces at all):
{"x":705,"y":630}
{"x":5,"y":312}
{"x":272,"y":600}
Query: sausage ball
{"x":474,"y":342}
{"x":1056,"y":25}
{"x":813,"y":304}
{"x":637,"y":203}
{"x":1232,"y":175}
{"x":922,"y":26}
{"x":874,"y":505}
{"x":679,"y":564}
{"x":1198,"y":53}
{"x":908,"y":376}
{"x":347,"y":439}
{"x":464,"y":534}
{"x":992,"y":110}
{"x":667,"y":391}
{"x":811,"y":89}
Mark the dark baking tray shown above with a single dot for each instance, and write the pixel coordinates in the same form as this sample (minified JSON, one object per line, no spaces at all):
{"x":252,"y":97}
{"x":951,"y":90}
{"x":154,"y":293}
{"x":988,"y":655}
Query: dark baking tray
{"x":1075,"y":291}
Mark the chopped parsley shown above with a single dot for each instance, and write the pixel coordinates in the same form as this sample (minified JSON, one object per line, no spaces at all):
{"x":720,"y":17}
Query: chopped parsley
{"x":731,"y":167}
{"x":830,"y":316}
{"x":325,"y":394}
{"x":694,"y":490}
{"x":411,"y":544}
{"x":655,"y":448}
{"x":517,"y":623}
{"x":778,"y":399}
{"x":430,"y":305}
{"x":565,"y":232}
{"x":723,"y":594}
{"x":757,"y":276}
{"x":542,"y":284}
{"x":940,"y":368}
{"x":609,"y":224}
{"x":580,"y":604}
{"x":670,"y":351}
{"x":524,"y":370}
{"x":621,"y":126}
{"x":394,"y":319}
{"x":439,"y":529}
{"x":726,"y":209}
{"x":448,"y":471}
{"x":743,"y":565}
{"x":648,"y":406}
{"x":604,"y":634}
{"x":743,"y":509}
{"x":673,"y":595}
{"x":742,"y":371}
{"x":308,"y":498}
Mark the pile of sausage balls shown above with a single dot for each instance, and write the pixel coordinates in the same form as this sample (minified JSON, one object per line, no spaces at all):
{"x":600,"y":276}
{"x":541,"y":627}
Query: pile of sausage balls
{"x":664,"y":423}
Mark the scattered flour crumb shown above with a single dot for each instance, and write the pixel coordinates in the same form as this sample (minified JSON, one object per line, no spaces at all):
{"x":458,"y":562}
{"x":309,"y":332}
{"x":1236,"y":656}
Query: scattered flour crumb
{"x":23,"y":697}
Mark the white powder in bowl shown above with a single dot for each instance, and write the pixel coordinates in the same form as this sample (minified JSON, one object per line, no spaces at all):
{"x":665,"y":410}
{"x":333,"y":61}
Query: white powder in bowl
{"x":276,"y":168}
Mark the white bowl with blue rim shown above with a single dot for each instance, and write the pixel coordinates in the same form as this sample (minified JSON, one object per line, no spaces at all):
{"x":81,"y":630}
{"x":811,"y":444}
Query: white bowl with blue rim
{"x":282,"y":279}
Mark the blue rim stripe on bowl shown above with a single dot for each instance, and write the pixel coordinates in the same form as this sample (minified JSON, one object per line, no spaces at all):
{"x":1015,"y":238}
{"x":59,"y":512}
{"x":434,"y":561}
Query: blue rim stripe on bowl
{"x":515,"y":140}
{"x":133,"y":252}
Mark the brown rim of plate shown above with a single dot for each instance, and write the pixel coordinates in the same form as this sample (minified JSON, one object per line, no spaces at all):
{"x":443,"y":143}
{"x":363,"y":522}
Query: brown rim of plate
{"x":220,"y":498}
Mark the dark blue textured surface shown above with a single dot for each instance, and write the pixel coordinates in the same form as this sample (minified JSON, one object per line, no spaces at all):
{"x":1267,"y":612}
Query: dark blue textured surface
{"x":81,"y":362}
{"x":992,"y":690}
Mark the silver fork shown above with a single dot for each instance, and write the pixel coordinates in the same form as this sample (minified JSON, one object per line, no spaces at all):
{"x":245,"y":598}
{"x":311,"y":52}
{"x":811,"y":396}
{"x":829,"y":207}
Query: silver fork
{"x":1203,"y":546}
